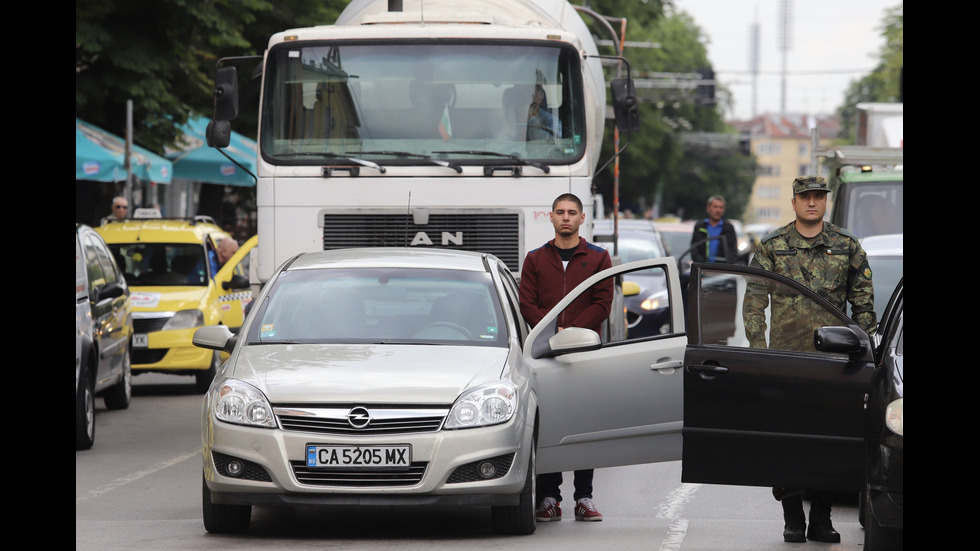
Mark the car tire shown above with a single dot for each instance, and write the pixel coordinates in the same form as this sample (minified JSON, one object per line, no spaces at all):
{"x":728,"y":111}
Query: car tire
{"x":519,"y":519}
{"x":876,"y":536}
{"x":84,"y":411}
{"x":202,"y":380}
{"x":119,"y":395}
{"x":224,"y":519}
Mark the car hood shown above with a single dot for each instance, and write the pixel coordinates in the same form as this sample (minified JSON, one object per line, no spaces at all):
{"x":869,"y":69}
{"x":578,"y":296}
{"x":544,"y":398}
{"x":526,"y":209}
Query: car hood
{"x":320,"y":373}
{"x":164,"y":299}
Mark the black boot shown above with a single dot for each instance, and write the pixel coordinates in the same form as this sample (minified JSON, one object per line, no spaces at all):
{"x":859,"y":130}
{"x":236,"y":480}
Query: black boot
{"x":793,"y":517}
{"x":820,"y":527}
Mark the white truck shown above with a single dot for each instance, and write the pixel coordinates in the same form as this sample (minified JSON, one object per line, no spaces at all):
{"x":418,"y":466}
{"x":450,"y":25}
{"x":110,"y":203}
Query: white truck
{"x":432,"y":123}
{"x":867,"y":179}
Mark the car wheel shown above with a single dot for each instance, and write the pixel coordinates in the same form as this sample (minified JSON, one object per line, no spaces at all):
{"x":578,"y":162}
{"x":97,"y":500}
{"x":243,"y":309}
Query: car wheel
{"x":84,"y":412}
{"x":876,"y":536}
{"x":118,"y":395}
{"x":203,"y":378}
{"x":224,"y":519}
{"x":519,"y":519}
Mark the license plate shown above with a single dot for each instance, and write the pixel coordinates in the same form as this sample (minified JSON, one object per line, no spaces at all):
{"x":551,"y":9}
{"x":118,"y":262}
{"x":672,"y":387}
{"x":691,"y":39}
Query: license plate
{"x":358,"y":457}
{"x":140,"y":340}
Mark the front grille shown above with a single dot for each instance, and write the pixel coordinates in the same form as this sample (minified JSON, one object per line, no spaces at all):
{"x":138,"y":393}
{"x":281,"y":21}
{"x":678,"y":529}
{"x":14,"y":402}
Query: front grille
{"x":148,"y":355}
{"x":384,"y":421}
{"x":487,"y":231}
{"x":470,"y":473}
{"x":373,"y":478}
{"x":149,"y":325}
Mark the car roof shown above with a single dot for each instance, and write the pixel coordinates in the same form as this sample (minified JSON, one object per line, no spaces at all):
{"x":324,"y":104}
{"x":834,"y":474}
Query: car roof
{"x":160,"y":230}
{"x":883,"y":245}
{"x":391,"y":257}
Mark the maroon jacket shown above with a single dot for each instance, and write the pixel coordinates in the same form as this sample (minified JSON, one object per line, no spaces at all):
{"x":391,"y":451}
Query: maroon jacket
{"x":544,"y":282}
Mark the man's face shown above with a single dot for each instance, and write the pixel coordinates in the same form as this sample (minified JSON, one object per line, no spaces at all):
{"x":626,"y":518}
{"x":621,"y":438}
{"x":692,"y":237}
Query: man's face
{"x":226,"y":249}
{"x":716,"y":209}
{"x":119,"y":209}
{"x":566,"y":218}
{"x":810,"y":206}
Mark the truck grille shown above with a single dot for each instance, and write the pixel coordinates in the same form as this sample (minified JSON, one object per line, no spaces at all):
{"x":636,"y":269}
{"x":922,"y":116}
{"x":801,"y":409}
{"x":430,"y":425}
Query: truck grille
{"x":487,"y":231}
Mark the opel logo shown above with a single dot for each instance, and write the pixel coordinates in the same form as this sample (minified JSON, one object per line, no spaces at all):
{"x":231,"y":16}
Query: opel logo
{"x":359,"y":417}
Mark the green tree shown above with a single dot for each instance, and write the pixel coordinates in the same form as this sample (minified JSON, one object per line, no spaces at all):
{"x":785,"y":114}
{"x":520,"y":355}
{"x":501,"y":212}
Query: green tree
{"x":884,"y":83}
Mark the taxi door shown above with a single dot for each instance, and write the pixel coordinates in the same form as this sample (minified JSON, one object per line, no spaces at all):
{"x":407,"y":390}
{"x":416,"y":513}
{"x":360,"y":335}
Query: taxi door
{"x":762,"y":406}
{"x":604,"y":404}
{"x":233,"y":290}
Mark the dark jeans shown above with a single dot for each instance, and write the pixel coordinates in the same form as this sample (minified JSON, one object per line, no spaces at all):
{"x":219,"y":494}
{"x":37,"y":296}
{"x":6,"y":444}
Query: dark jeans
{"x":549,"y":485}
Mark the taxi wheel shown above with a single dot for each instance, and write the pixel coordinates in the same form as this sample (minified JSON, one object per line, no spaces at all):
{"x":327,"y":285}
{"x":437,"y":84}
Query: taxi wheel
{"x":84,"y":413}
{"x":203,"y":378}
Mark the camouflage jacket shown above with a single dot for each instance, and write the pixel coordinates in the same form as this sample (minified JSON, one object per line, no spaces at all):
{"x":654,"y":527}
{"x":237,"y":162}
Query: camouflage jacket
{"x":834,"y":265}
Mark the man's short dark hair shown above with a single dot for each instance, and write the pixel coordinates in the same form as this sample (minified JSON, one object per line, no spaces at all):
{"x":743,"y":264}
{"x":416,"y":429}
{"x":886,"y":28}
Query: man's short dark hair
{"x":567,"y":197}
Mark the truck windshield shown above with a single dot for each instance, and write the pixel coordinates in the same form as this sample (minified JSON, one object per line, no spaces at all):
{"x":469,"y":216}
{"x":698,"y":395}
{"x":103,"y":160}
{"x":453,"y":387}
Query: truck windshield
{"x":398,"y":103}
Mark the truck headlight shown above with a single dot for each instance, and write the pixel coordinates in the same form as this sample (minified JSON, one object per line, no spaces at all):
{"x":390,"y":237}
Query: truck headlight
{"x":242,"y":404}
{"x":894,"y":417}
{"x":485,"y":405}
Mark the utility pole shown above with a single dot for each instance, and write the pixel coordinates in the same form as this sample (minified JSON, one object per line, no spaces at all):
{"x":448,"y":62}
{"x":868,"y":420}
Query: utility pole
{"x":785,"y":41}
{"x":754,"y":61}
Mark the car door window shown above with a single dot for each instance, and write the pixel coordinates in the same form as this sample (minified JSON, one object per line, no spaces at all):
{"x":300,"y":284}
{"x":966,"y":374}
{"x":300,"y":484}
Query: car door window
{"x":513,"y":302}
{"x":748,"y":311}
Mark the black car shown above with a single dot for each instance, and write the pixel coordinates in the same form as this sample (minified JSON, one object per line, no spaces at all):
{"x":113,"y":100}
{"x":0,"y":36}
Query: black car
{"x":821,"y":410}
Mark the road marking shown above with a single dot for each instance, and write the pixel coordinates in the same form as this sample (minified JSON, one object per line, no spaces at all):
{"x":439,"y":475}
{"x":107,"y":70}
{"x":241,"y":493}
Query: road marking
{"x":671,"y":509}
{"x":136,"y":476}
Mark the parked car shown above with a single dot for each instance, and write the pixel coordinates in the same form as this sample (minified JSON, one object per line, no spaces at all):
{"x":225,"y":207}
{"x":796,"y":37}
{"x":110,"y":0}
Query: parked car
{"x":822,"y":410}
{"x":885,"y":255}
{"x":389,"y":377}
{"x":103,"y":333}
{"x":647,"y":311}
{"x":175,"y":290}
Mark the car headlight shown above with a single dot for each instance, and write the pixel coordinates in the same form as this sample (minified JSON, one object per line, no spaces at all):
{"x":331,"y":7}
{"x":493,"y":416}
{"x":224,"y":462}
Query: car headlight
{"x":655,"y":301}
{"x":894,"y":417}
{"x":242,"y":404}
{"x":486,"y":405}
{"x":185,"y":319}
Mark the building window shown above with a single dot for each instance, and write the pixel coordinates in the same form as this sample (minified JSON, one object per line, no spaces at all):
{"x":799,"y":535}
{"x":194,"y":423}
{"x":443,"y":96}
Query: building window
{"x":768,"y":149}
{"x":804,"y":150}
{"x":768,"y":192}
{"x":804,"y":170}
{"x":769,"y":170}
{"x":768,"y":213}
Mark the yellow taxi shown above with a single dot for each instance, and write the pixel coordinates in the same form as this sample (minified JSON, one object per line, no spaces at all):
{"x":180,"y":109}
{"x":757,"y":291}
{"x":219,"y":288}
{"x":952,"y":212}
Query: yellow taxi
{"x":177,"y":285}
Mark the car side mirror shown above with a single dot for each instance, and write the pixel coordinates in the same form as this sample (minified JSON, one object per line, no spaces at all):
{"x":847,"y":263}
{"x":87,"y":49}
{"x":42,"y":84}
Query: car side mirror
{"x":841,"y":340}
{"x":236,"y":282}
{"x":215,"y":337}
{"x":109,"y":290}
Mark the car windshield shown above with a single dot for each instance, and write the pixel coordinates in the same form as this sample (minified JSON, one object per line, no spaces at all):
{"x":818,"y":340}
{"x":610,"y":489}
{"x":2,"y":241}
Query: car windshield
{"x":381,"y":306}
{"x":162,"y":264}
{"x":412,"y":103}
{"x":637,"y":246}
{"x":887,"y":272}
{"x":678,"y":241}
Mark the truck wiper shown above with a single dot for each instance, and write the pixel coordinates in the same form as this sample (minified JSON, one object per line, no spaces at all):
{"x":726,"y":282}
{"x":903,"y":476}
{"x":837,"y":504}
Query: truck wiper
{"x":349,"y":158}
{"x":545,"y":168}
{"x":405,"y":154}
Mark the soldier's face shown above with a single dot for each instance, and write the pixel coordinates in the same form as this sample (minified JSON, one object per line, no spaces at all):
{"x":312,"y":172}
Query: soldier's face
{"x":810,"y":206}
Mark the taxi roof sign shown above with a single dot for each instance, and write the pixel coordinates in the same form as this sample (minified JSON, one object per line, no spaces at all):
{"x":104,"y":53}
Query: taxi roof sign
{"x":147,"y":213}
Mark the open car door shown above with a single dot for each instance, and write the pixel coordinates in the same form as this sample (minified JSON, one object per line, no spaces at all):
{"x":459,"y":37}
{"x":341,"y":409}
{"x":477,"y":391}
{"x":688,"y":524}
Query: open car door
{"x":762,"y":405}
{"x":604,"y":404}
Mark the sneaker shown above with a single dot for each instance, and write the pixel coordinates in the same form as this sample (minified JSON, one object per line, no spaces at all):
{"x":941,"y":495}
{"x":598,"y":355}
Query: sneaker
{"x":548,"y":511}
{"x":585,"y":510}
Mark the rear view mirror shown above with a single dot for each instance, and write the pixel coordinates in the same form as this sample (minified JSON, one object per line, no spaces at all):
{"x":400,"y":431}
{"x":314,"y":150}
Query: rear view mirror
{"x":226,"y":94}
{"x":625,"y":105}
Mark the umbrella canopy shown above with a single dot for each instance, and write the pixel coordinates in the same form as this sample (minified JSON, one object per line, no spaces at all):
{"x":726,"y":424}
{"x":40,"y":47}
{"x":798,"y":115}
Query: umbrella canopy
{"x":195,"y":160}
{"x":101,"y":157}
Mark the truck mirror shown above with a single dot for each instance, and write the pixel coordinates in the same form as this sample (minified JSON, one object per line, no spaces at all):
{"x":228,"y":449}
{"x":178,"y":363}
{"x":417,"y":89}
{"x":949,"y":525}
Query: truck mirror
{"x":218,"y":134}
{"x":226,"y":94}
{"x":626,"y":107}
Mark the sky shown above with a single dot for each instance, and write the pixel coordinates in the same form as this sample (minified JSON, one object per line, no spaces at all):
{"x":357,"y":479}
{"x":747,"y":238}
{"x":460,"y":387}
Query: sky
{"x":833,"y":42}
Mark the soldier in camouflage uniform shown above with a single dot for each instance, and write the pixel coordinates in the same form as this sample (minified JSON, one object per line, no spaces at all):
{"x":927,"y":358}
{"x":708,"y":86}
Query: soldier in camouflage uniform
{"x":830,"y":261}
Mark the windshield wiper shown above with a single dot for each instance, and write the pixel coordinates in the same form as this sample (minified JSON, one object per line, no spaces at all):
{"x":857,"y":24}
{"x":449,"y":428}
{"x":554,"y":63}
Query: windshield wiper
{"x":544,"y":168}
{"x":405,"y":154}
{"x":349,"y":158}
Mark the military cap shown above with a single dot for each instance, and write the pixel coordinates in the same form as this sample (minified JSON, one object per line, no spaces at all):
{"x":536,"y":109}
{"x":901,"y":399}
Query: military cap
{"x":809,"y":183}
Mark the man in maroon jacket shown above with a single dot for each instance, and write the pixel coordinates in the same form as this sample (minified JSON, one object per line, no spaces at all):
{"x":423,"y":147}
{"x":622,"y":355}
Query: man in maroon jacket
{"x":549,"y":273}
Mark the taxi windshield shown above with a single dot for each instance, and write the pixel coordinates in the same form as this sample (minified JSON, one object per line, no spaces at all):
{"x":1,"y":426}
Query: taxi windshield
{"x":419,"y":103}
{"x":162,"y":264}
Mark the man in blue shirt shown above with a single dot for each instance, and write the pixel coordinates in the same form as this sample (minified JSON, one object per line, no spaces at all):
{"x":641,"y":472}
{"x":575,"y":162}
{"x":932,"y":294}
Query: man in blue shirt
{"x":724,"y":246}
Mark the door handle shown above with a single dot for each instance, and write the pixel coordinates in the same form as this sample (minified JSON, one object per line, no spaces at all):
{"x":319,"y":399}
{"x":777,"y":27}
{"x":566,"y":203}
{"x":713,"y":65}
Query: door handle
{"x":707,"y":371}
{"x":667,"y":367}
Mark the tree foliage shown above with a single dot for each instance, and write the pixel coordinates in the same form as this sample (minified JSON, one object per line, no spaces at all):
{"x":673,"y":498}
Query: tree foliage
{"x":884,"y":83}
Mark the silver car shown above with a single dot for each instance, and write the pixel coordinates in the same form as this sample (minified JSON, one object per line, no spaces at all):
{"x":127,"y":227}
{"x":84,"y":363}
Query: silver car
{"x":397,"y":377}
